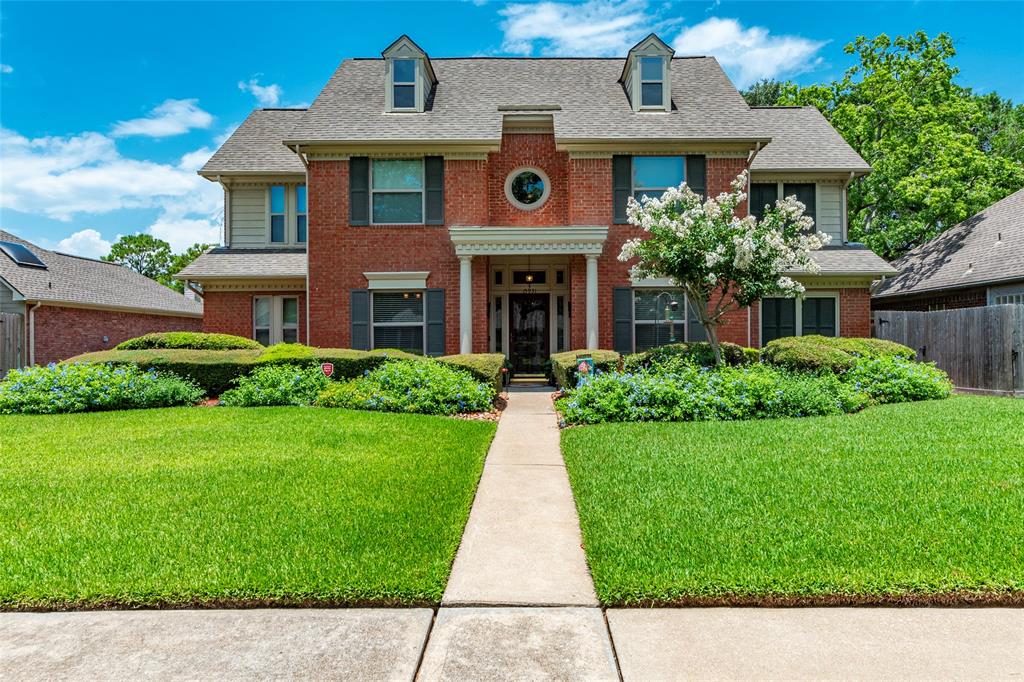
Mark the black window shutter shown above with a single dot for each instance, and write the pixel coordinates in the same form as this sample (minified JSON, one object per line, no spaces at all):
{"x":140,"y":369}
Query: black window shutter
{"x":360,"y":313}
{"x":434,"y":182}
{"x":622,"y":317}
{"x":778,"y":318}
{"x":762,"y":194}
{"x":359,"y":190}
{"x":694,"y":329}
{"x":435,"y":322}
{"x":819,"y":316}
{"x":622,"y":187}
{"x":804,"y":192}
{"x":697,"y":174}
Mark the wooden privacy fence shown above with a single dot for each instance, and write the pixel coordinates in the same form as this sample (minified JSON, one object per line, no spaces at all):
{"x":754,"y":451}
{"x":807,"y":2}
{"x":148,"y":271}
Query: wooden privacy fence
{"x":980,"y":348}
{"x":12,"y":343}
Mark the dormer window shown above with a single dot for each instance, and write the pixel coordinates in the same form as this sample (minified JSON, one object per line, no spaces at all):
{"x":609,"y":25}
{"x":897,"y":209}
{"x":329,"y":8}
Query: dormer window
{"x":409,"y":77}
{"x":645,"y":75}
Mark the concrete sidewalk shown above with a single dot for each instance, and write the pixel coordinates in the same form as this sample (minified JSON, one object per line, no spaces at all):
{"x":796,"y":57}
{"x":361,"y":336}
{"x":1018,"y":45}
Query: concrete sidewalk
{"x":522,"y":543}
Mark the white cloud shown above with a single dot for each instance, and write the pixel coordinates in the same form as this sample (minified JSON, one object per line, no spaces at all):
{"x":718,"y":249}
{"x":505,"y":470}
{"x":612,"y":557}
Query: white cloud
{"x":6,"y":68}
{"x":595,"y":28}
{"x":749,"y":54}
{"x":173,"y":117}
{"x":266,"y":95}
{"x":86,"y":242}
{"x":62,"y":177}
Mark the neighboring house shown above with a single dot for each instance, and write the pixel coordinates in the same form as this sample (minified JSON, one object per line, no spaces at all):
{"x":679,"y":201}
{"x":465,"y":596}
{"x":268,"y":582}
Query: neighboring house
{"x":978,"y":262}
{"x":479,"y":204}
{"x":70,"y":305}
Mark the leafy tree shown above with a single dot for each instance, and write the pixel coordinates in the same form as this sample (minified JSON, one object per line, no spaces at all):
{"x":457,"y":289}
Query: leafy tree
{"x":152,"y":257}
{"x":765,"y":93}
{"x":143,"y":253}
{"x":939,"y":153}
{"x":722,"y":260}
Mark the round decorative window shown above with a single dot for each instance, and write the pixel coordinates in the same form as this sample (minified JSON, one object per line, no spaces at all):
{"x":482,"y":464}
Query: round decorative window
{"x":527,"y":188}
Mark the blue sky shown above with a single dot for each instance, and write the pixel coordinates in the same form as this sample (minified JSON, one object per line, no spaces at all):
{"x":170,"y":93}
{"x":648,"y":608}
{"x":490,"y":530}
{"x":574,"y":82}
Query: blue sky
{"x":108,"y":112}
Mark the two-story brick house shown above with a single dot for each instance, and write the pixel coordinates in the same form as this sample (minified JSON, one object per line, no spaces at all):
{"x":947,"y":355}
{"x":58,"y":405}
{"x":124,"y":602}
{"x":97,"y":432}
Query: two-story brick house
{"x":478,"y":204}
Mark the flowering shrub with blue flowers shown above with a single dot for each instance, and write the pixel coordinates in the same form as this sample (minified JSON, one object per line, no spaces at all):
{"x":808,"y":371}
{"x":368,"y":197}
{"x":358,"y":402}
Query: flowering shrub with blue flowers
{"x":898,"y":380}
{"x":424,"y":387}
{"x":684,"y":391}
{"x":87,"y":387}
{"x":276,"y":385}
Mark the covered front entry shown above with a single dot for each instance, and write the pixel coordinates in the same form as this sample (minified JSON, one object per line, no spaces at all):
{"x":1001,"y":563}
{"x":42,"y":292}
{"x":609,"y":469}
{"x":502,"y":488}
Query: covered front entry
{"x":529,"y":345}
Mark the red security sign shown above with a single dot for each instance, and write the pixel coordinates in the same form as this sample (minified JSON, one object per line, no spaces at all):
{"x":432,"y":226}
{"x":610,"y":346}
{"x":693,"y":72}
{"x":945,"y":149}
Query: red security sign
{"x":327,"y":368}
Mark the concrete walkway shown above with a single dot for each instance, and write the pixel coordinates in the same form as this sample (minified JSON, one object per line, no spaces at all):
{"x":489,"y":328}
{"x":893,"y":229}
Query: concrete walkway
{"x":522,"y":543}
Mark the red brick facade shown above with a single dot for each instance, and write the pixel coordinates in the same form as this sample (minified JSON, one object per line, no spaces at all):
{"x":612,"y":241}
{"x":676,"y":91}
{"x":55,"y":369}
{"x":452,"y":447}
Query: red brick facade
{"x":61,"y":333}
{"x":474,"y":195}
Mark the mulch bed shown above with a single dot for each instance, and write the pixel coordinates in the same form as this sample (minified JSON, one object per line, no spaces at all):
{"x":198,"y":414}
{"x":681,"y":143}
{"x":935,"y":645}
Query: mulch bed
{"x":500,"y":403}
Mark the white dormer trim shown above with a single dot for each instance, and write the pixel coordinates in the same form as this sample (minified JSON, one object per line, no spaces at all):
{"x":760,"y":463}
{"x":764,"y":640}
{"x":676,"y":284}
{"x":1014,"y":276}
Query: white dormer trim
{"x":425,"y":80}
{"x":650,"y":47}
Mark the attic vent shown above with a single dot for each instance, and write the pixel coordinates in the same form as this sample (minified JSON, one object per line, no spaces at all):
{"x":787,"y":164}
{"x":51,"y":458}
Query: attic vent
{"x":20,"y":254}
{"x":529,"y":107}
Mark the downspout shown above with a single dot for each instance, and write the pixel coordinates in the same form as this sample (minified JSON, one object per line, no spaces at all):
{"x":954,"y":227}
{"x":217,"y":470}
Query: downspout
{"x":32,"y":333}
{"x":309,"y":200}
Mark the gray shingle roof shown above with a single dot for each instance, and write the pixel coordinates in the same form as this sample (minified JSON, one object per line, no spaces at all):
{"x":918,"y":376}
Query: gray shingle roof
{"x":256,"y":146}
{"x":802,"y":139}
{"x":227,"y":263}
{"x":84,"y":281}
{"x":984,"y":249}
{"x":851,"y":260}
{"x":469,"y":91}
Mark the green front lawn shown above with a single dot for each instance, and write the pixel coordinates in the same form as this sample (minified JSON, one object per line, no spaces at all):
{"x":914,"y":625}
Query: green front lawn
{"x":222,"y":505}
{"x":910,"y":502}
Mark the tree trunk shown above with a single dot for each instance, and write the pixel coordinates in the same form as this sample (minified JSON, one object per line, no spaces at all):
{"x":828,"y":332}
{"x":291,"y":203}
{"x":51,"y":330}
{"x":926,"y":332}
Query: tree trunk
{"x":712,"y":330}
{"x":710,"y":326}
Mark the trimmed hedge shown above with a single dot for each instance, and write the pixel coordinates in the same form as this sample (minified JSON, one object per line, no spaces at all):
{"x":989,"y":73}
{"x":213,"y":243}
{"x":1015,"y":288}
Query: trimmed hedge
{"x":563,"y":365}
{"x":485,"y":367}
{"x":216,"y":371}
{"x":699,"y":353}
{"x":814,"y":353}
{"x":190,"y":341}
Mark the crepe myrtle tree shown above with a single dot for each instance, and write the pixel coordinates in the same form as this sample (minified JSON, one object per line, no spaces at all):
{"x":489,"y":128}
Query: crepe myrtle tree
{"x":723,"y":261}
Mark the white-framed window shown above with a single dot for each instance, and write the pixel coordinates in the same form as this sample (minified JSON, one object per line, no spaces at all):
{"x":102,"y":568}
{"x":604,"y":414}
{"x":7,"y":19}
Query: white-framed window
{"x":396,"y":191}
{"x":275,"y":319}
{"x":301,"y":222}
{"x":278,"y":214}
{"x":1006,"y":295}
{"x":661,"y":317}
{"x":816,"y":313}
{"x":398,"y":320}
{"x":652,"y":83}
{"x":652,"y":175}
{"x":527,"y":188}
{"x":403,"y":84}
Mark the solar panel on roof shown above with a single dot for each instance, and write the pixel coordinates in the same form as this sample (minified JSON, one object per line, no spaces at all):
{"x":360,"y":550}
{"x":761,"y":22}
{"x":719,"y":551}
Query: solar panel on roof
{"x":21,"y":255}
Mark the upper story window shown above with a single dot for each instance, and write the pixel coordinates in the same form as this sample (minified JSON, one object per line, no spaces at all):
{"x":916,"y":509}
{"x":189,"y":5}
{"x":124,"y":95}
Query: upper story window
{"x":652,"y":175}
{"x":527,"y":188}
{"x":300,"y":214}
{"x":278,"y":213}
{"x":645,"y":75}
{"x":652,"y":82}
{"x":403,"y":87}
{"x":396,"y":191}
{"x":410,"y":76}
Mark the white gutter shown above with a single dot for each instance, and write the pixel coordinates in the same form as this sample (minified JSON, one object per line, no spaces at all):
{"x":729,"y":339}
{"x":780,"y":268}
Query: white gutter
{"x":32,"y":333}
{"x":227,"y":212}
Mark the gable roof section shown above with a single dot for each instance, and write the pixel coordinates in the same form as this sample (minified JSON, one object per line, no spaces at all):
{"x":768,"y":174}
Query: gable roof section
{"x":256,"y":146}
{"x":81,"y":281}
{"x":465,"y":103}
{"x":984,"y":249}
{"x":803,"y":140}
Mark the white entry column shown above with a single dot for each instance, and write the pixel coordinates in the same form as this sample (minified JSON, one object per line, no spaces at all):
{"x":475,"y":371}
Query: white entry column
{"x":465,"y":304}
{"x":592,"y":300}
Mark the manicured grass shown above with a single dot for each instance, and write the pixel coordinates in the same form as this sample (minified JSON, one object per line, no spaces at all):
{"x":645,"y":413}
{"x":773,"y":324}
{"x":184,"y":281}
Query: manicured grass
{"x":919,"y":502}
{"x":220,"y":505}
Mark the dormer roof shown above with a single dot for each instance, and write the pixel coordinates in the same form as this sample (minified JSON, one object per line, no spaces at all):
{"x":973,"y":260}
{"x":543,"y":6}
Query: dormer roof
{"x":649,"y":46}
{"x":405,"y":48}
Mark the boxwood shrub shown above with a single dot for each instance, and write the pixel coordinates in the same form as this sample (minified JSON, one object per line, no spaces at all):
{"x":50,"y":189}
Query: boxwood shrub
{"x":81,"y":387}
{"x":699,"y":353}
{"x":189,"y":341}
{"x":898,"y":380}
{"x":425,"y":387}
{"x":485,"y":367}
{"x":816,"y":353}
{"x":563,"y":365}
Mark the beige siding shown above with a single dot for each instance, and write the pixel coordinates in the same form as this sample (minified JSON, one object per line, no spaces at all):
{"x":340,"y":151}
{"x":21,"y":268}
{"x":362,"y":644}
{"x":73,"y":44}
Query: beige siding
{"x":248,"y":211}
{"x":830,"y":211}
{"x":7,"y":302}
